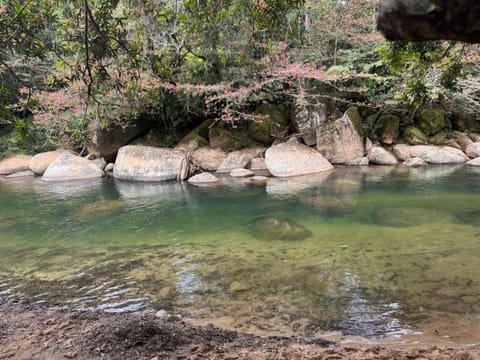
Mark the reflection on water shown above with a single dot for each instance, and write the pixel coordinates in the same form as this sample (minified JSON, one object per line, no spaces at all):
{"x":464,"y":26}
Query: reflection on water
{"x":370,"y":252}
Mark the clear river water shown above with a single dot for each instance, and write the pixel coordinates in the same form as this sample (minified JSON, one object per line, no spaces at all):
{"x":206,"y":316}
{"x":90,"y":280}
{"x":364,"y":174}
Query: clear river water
{"x":377,"y":253}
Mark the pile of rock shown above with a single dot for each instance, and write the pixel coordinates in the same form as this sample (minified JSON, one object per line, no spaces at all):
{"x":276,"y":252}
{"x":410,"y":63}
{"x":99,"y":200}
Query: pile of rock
{"x":323,"y":137}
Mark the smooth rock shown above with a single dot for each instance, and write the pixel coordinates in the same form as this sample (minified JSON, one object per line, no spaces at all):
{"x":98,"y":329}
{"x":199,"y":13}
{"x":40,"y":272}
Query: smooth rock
{"x":100,"y":207}
{"x":430,"y":153}
{"x":415,"y":162}
{"x":40,"y":162}
{"x":294,"y":159}
{"x":241,"y":173}
{"x":474,"y":162}
{"x":341,"y":141}
{"x":203,"y":178}
{"x":406,"y":217}
{"x":146,"y":163}
{"x":208,"y":159}
{"x":237,"y":286}
{"x":473,"y":150}
{"x":239,"y":159}
{"x":71,"y":167}
{"x":462,"y":139}
{"x":109,"y":167}
{"x":381,"y":156}
{"x":21,"y":174}
{"x":162,"y":315}
{"x":15,"y":164}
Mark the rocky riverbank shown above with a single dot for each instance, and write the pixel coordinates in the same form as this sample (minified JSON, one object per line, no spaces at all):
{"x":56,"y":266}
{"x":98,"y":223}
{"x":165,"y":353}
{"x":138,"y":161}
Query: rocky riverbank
{"x":27,"y":333}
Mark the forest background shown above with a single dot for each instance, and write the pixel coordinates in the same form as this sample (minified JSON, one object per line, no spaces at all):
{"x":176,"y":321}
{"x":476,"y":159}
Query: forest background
{"x":171,"y":64}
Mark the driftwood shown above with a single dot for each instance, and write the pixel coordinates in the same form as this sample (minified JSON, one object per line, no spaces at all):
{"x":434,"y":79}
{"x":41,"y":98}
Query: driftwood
{"x":420,"y":20}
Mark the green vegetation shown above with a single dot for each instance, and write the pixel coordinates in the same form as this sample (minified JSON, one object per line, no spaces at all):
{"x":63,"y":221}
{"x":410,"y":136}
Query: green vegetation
{"x":175,"y":63}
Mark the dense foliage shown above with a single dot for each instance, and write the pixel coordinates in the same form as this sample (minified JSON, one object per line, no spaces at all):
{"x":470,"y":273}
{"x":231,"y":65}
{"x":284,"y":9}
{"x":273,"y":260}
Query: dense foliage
{"x":74,"y":61}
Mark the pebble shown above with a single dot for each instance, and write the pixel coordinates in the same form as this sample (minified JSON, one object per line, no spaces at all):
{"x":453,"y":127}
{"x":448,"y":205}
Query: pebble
{"x":162,"y":314}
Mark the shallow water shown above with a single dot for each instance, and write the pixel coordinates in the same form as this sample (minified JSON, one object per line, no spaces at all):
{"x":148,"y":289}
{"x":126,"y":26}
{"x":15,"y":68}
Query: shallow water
{"x":372,"y":252}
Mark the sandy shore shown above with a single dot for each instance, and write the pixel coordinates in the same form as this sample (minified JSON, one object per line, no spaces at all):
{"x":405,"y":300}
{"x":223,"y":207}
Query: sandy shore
{"x":27,"y":333}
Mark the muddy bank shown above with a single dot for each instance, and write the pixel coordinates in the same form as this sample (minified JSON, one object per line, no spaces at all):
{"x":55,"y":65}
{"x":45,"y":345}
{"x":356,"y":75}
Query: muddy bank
{"x":27,"y":333}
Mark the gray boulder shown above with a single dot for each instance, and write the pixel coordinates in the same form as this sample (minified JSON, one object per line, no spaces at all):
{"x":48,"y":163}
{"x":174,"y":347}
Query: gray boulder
{"x":294,"y":159}
{"x":430,"y":153}
{"x":71,"y":167}
{"x":40,"y":162}
{"x":203,"y":178}
{"x":341,"y":141}
{"x":208,"y":158}
{"x":145,"y":163}
{"x":473,"y":150}
{"x":239,"y":159}
{"x":15,"y":164}
{"x":310,"y":117}
{"x":380,"y":156}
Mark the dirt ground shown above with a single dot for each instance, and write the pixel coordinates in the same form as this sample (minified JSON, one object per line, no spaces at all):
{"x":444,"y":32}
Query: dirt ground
{"x":27,"y":333}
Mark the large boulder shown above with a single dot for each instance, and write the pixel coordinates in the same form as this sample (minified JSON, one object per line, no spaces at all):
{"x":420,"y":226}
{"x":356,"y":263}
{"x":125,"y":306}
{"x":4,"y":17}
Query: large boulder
{"x":415,"y":136}
{"x":430,"y":153}
{"x":106,"y":140}
{"x":387,"y":128}
{"x":380,"y":156}
{"x":309,"y":118}
{"x":238,"y":159}
{"x":272,"y":126}
{"x":473,"y":150}
{"x":341,"y":141}
{"x":294,"y":159}
{"x":40,"y":162}
{"x":433,"y":121}
{"x":208,"y":158}
{"x":145,"y":163}
{"x":191,"y":142}
{"x":462,"y":139}
{"x":15,"y":164}
{"x":68,"y":167}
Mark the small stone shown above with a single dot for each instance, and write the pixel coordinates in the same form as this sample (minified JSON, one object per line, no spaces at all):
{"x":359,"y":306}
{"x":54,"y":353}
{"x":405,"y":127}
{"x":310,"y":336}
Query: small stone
{"x":474,"y":162}
{"x":162,"y":315}
{"x":237,"y":286}
{"x":259,"y":178}
{"x":203,"y":178}
{"x":109,"y":167}
{"x":241,"y":173}
{"x":415,"y":162}
{"x":71,"y":355}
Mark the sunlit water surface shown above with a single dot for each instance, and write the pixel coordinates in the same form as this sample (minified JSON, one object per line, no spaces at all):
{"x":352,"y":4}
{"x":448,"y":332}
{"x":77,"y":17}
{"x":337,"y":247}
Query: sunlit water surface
{"x":375,"y":252}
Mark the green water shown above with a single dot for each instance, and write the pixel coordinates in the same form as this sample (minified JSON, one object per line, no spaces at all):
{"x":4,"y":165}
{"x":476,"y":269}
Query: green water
{"x":371,"y":252}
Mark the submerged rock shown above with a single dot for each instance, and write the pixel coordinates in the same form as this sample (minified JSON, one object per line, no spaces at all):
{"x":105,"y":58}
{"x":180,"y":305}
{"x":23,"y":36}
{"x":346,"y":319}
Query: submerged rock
{"x":241,"y":173}
{"x":406,"y":217}
{"x":270,"y":228}
{"x":100,"y":206}
{"x":15,"y":164}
